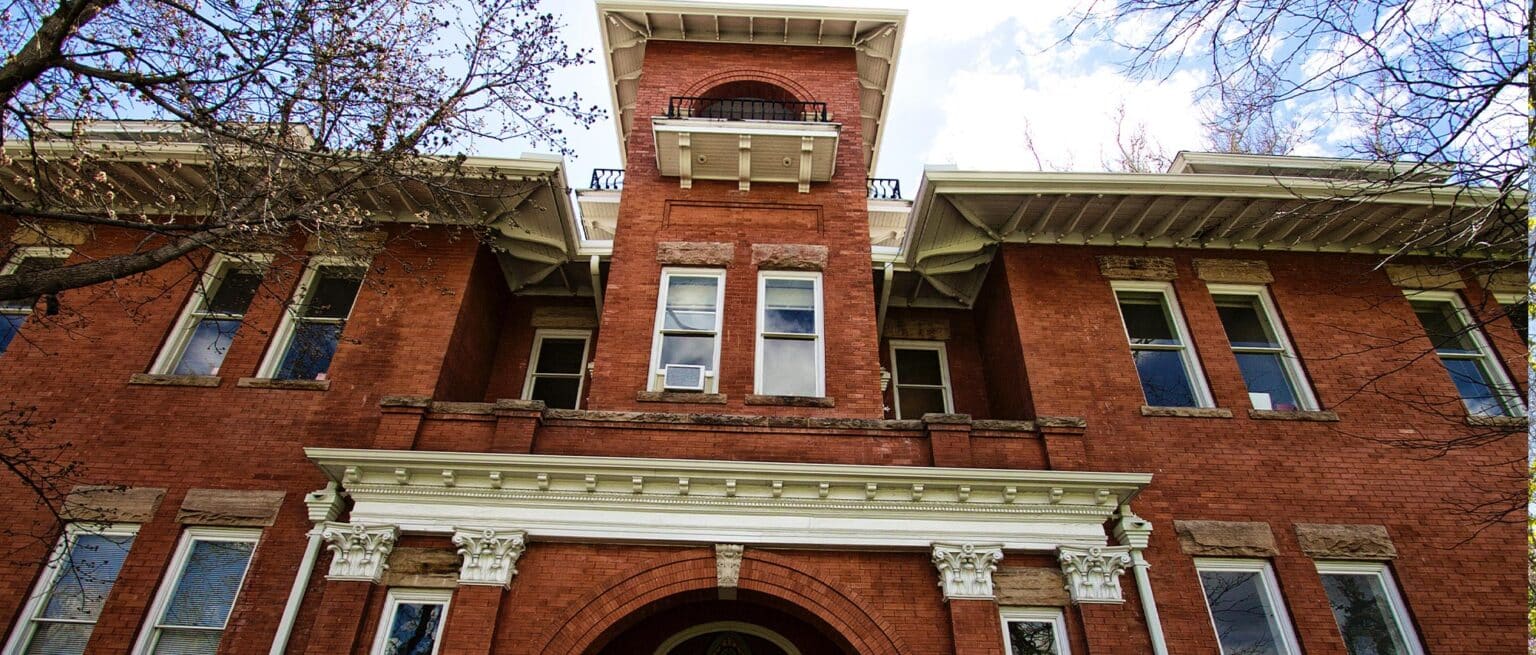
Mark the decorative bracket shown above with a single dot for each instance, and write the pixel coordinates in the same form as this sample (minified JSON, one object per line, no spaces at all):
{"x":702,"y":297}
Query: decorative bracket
{"x":685,"y":160}
{"x":359,"y":552}
{"x":965,"y":570}
{"x":490,"y":556}
{"x":728,"y":565}
{"x":807,"y":147}
{"x":744,"y":162}
{"x":1093,"y":573}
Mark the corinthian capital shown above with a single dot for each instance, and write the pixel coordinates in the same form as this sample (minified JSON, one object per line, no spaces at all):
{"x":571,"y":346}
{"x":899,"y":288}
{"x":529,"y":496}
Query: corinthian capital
{"x":490,"y":555}
{"x":358,"y":552}
{"x":1093,"y":574}
{"x":965,"y":570}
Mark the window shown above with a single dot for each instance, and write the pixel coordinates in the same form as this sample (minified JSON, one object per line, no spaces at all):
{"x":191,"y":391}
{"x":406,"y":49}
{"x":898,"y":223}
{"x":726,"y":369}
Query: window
{"x":25,"y":260}
{"x":920,"y":375}
{"x":688,"y":323}
{"x":1245,"y":607}
{"x":1165,"y":360}
{"x":1368,"y":608}
{"x":412,"y":622}
{"x":789,"y":353}
{"x":1264,"y":353}
{"x":207,"y":326}
{"x":1029,"y":631}
{"x":311,"y":328}
{"x":1479,"y":379}
{"x":557,"y":367}
{"x":1517,"y":308}
{"x":62,"y":611}
{"x":194,"y":601}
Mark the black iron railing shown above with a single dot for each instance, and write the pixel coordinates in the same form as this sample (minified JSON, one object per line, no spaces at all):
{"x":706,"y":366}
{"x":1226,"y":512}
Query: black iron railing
{"x":746,"y":109}
{"x":607,"y":179}
{"x":883,"y":188}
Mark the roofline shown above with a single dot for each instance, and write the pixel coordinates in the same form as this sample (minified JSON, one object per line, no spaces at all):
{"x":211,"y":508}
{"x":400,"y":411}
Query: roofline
{"x":754,"y":9}
{"x":1184,"y":158}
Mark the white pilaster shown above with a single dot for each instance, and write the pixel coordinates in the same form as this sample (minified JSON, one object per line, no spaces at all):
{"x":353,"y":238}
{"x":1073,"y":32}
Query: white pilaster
{"x":359,"y":552}
{"x":965,"y":570}
{"x":489,"y":555}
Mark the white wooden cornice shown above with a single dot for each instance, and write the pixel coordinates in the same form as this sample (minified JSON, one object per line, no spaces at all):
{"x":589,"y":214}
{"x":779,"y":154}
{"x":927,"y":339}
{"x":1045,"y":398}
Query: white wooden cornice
{"x":707,"y":501}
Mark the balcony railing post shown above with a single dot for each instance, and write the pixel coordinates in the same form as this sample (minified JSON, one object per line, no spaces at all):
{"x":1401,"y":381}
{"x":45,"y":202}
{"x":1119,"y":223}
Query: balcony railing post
{"x":883,"y":188}
{"x":755,"y":109}
{"x":607,"y":179}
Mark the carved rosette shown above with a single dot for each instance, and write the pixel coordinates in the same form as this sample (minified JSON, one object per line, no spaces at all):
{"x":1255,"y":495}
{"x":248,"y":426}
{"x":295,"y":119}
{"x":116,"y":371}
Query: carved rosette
{"x":1093,"y":573}
{"x":965,"y":570}
{"x":489,"y":555}
{"x":358,"y":552}
{"x":728,"y":565}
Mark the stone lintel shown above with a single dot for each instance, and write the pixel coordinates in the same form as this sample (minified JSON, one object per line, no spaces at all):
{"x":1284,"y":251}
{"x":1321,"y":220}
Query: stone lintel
{"x":1226,"y":539}
{"x":230,"y":507}
{"x":694,"y":253}
{"x":1342,"y":541}
{"x":1031,"y":587}
{"x":1425,"y":276}
{"x":1121,"y":267}
{"x":789,"y":257}
{"x":111,"y":504}
{"x":1233,"y":271}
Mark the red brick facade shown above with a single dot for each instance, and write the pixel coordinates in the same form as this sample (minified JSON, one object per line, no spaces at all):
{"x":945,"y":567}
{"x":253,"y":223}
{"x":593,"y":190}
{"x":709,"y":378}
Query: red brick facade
{"x":436,"y":332}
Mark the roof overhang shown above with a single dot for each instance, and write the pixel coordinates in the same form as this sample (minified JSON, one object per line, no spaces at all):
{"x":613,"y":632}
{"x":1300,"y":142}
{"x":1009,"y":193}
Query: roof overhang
{"x":960,"y":218}
{"x":1230,"y":163}
{"x":637,"y":499}
{"x":875,"y":34}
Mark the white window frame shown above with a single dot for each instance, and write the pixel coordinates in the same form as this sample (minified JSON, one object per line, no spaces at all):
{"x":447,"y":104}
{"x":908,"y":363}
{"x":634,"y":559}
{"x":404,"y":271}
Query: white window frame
{"x":1052,"y":615}
{"x":1508,"y":301}
{"x":1302,"y":386}
{"x":819,"y":338}
{"x":1498,"y":377}
{"x":150,"y":634}
{"x":20,"y":255}
{"x":193,"y":312}
{"x":1187,"y":353}
{"x":1394,"y":595}
{"x":711,"y":376}
{"x":26,"y":625}
{"x":285,"y":328}
{"x":910,"y":344}
{"x":533,"y":360}
{"x":1287,"y":643}
{"x":399,"y":596}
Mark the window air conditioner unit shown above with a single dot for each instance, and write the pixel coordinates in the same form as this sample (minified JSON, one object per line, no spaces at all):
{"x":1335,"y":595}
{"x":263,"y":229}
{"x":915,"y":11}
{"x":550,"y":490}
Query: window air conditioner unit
{"x":683,"y":377}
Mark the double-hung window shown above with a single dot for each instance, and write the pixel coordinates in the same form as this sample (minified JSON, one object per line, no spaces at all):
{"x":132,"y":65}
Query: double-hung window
{"x":1368,"y":608}
{"x":920,"y":375}
{"x":62,"y":611}
{"x":1165,"y":359}
{"x":557,"y":367}
{"x":1517,"y":307}
{"x":195,"y":598}
{"x":1034,"y":631}
{"x":688,"y":314}
{"x":789,"y":328}
{"x":25,"y":260}
{"x":1479,"y":378}
{"x":311,"y":328}
{"x":207,"y":326}
{"x":1264,"y":354}
{"x":412,"y":622}
{"x":1245,"y":607}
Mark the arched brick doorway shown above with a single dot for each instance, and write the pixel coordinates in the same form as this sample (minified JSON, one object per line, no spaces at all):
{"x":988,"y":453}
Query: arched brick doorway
{"x":695,"y":624}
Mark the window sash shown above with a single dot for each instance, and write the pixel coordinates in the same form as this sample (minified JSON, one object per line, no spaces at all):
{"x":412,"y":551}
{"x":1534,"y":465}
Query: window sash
{"x":196,"y":310}
{"x":533,"y":375}
{"x":294,"y":315}
{"x":1392,"y":595}
{"x":1055,"y":617}
{"x":1506,"y":395}
{"x":149,"y":639}
{"x":818,"y":354}
{"x":56,"y":566}
{"x":660,"y":330}
{"x":1188,"y":357}
{"x":1269,"y":319}
{"x":1278,"y":619}
{"x":897,"y":385}
{"x":398,"y":597}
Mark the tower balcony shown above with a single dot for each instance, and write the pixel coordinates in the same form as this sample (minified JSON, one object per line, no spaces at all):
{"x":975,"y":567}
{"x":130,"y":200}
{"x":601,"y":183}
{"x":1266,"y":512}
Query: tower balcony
{"x":747,"y":140}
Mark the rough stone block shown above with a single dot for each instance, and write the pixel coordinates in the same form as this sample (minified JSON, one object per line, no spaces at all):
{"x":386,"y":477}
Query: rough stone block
{"x":1027,"y":586}
{"x":1120,"y":267}
{"x":433,"y":568}
{"x":924,"y":328}
{"x":1338,"y":541}
{"x":1186,"y":412}
{"x":111,"y":504}
{"x":690,"y":253}
{"x":1425,"y":276}
{"x":570,"y":318}
{"x":789,"y":257}
{"x":1508,"y":280}
{"x":1234,"y":271}
{"x":790,"y":401}
{"x":161,"y":380}
{"x":1226,"y":538}
{"x":233,"y":507}
{"x":50,"y":234}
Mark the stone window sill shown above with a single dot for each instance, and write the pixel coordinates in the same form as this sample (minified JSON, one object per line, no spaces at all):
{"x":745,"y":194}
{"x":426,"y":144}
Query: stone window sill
{"x":1512,"y":422}
{"x":291,"y":385}
{"x":680,"y":397}
{"x":1297,"y":415}
{"x":791,"y":401}
{"x":1186,"y":412}
{"x":164,"y":380}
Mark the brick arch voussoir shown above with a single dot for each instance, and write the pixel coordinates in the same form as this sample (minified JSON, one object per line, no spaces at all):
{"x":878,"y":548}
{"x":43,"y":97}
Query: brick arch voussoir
{"x":694,"y":570}
{"x":703,"y":85}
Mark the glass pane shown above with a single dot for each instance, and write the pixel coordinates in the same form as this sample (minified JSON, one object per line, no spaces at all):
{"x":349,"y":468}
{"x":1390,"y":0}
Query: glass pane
{"x":789,"y":306}
{"x":206,"y":591}
{"x":235,"y":292}
{"x":60,"y":638}
{"x":188,"y":642}
{"x":1444,"y":327}
{"x":414,"y":629}
{"x":695,"y":295}
{"x":1245,"y":623}
{"x":560,"y":393}
{"x":30,"y":265}
{"x":1476,"y":389}
{"x":1163,"y":378}
{"x":789,"y":367}
{"x":333,"y":290}
{"x":1265,"y":373}
{"x":915,"y":402}
{"x":918,"y":367}
{"x":561,"y":355}
{"x":1364,"y":614}
{"x":687,"y":349}
{"x":681,"y":320}
{"x":87,"y":578}
{"x":206,"y":347}
{"x":1146,"y":319}
{"x":1244,"y":323}
{"x":1031,"y":638}
{"x":310,"y":351}
{"x":9,"y":325}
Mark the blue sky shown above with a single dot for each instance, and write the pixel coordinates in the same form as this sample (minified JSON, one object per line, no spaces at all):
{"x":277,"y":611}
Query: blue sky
{"x":976,"y":83}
